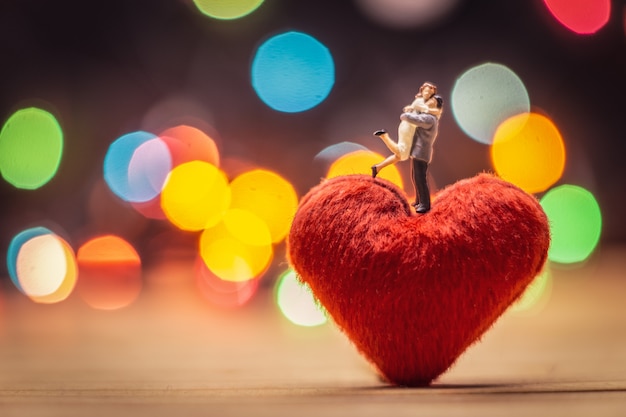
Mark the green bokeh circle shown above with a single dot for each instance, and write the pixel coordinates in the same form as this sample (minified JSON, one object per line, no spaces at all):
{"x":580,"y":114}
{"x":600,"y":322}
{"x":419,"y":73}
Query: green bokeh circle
{"x":227,"y":9}
{"x":31,"y":146}
{"x":575,"y":223}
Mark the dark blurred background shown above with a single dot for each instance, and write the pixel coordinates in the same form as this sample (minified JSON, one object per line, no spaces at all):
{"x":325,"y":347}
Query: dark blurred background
{"x":105,"y":69}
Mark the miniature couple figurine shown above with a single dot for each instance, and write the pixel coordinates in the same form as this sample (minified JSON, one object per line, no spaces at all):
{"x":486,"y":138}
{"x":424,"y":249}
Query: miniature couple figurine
{"x":417,"y":132}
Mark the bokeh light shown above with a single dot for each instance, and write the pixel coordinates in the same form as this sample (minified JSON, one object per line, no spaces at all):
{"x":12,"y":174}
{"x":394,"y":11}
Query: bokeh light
{"x":109,"y":273}
{"x":247,"y":227}
{"x":575,"y":223}
{"x":31,"y":146}
{"x":69,"y":281}
{"x":580,"y":16}
{"x":14,"y":248}
{"x":269,"y":196}
{"x":297,"y":303}
{"x":223,"y":293}
{"x":41,"y":265}
{"x":360,"y":162}
{"x":405,"y":14}
{"x":150,"y":209}
{"x":44,"y":266}
{"x":292,"y":72}
{"x":536,"y":295}
{"x":117,"y":162}
{"x":324,"y":158}
{"x":147,"y":170}
{"x":185,"y":144}
{"x":333,"y":152}
{"x":227,"y":9}
{"x":195,"y":196}
{"x":528,"y":151}
{"x":239,"y":248}
{"x":177,"y":109}
{"x":486,"y":95}
{"x":188,"y":143}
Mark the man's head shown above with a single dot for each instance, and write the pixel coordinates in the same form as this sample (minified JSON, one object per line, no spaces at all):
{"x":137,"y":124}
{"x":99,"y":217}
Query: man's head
{"x":439,"y":101}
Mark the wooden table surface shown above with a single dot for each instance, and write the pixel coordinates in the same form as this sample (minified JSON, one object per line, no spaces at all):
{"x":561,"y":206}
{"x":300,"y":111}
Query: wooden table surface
{"x":170,"y":353}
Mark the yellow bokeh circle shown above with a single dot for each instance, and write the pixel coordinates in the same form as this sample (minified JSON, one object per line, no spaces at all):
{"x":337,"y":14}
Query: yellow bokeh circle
{"x":238,"y":248}
{"x":360,"y":162}
{"x":269,"y":196}
{"x":247,"y":227}
{"x":528,"y":151}
{"x":195,"y":196}
{"x":69,"y":282}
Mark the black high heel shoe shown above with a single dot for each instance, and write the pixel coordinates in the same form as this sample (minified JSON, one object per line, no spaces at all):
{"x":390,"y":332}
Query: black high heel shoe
{"x":380,"y":132}
{"x":374,"y":171}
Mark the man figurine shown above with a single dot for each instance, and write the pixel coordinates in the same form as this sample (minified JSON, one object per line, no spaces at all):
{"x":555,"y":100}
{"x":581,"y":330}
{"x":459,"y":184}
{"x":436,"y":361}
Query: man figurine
{"x":418,"y":127}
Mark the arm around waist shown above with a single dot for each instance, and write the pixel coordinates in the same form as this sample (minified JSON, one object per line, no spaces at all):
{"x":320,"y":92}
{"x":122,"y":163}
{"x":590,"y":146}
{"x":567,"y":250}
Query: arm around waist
{"x":419,"y":119}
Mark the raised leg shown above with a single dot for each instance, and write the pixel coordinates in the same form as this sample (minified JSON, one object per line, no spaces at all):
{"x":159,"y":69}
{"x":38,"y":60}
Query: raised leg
{"x":391,"y":145}
{"x":391,"y":159}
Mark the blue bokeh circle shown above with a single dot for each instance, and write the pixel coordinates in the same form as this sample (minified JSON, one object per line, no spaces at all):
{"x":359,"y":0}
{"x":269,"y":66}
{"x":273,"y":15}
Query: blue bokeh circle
{"x":116,"y":165}
{"x":292,"y":72}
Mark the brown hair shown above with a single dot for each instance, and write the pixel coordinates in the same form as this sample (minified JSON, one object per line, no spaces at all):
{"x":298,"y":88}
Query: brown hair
{"x":431,"y":85}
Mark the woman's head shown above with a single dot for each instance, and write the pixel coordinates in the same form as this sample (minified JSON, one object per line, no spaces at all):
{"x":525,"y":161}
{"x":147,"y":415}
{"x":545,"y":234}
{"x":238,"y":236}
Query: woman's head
{"x":427,"y":90}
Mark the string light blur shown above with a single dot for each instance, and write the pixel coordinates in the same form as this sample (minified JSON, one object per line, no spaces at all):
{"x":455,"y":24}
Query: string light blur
{"x":269,"y":196}
{"x":31,"y":146}
{"x":360,"y":162}
{"x":292,"y":72}
{"x":195,"y":196}
{"x":575,"y":223}
{"x":109,"y":273}
{"x":485,"y":96}
{"x":227,"y":9}
{"x":580,"y":16}
{"x":528,"y":150}
{"x":297,"y":303}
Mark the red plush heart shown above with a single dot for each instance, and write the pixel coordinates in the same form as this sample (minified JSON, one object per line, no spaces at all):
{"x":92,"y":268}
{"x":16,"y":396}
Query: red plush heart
{"x":412,"y":291}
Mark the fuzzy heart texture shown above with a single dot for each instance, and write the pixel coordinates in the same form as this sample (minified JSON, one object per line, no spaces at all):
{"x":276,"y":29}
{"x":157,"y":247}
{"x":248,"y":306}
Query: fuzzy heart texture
{"x":413,"y":292}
